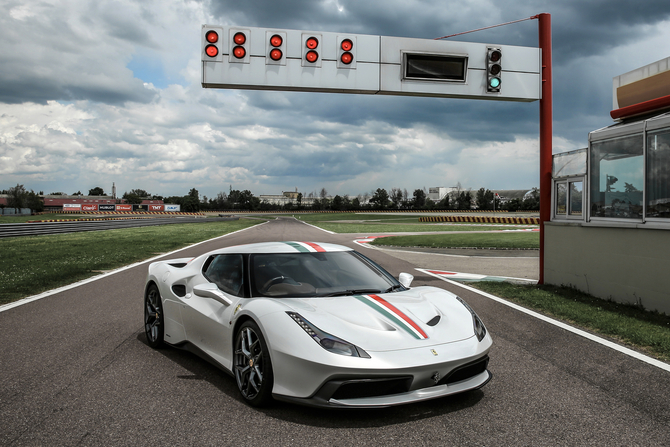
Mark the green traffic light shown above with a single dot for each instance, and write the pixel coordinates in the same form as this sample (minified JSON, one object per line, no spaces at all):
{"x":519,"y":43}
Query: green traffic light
{"x":494,"y":83}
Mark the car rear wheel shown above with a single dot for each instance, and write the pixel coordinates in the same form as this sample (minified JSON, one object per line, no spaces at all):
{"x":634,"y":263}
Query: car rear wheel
{"x":153,"y":317}
{"x":252,"y":366}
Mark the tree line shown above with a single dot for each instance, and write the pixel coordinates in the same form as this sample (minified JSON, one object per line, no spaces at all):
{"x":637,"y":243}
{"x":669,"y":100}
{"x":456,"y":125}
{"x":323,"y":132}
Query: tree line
{"x":379,"y":199}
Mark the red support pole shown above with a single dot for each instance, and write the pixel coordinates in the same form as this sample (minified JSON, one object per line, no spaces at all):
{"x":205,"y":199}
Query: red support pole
{"x":546,"y":123}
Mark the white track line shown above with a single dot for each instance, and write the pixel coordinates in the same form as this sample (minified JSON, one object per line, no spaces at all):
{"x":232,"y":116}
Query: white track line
{"x":30,"y":299}
{"x":602,"y":341}
{"x":314,"y":226}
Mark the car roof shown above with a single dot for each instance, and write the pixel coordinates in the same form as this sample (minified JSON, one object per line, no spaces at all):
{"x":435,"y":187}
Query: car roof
{"x":284,"y":247}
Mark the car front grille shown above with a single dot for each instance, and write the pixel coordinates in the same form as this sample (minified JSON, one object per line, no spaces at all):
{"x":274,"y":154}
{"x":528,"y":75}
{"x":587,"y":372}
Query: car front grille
{"x":466,"y":371}
{"x":372,"y":387}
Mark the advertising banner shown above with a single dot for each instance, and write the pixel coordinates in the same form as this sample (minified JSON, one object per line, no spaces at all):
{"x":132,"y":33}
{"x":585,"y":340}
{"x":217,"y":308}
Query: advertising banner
{"x":172,"y":208}
{"x":89,"y":207}
{"x":106,"y":207}
{"x":156,"y":207}
{"x":140,"y":207}
{"x":72,"y":207}
{"x":124,"y":207}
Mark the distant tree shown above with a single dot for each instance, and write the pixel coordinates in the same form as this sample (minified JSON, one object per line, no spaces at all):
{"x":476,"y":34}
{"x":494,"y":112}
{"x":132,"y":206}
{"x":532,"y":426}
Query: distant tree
{"x":464,"y":201}
{"x":193,"y":193}
{"x":405,"y":198}
{"x":380,"y":199}
{"x":444,"y":203}
{"x":97,"y":191}
{"x":396,"y":197}
{"x":484,"y":199}
{"x":17,"y":197}
{"x":78,"y":193}
{"x":34,"y":202}
{"x":338,"y":203}
{"x":140,"y":193}
{"x":419,"y":199}
{"x":132,"y":197}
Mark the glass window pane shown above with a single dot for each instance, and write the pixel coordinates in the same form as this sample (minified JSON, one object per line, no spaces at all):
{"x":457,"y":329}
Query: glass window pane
{"x":569,"y":163}
{"x":617,"y":177}
{"x":561,"y":203}
{"x":658,"y":174}
{"x":226,"y":272}
{"x":576,"y":194}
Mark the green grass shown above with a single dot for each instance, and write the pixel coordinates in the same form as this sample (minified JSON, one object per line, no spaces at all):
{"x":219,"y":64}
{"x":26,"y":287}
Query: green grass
{"x":511,"y":240}
{"x":647,"y":331}
{"x":395,"y":228}
{"x":33,"y":264}
{"x":388,"y":223}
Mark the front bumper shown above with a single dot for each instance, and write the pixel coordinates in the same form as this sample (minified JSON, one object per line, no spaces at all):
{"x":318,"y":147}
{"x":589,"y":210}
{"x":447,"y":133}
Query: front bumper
{"x":381,"y":392}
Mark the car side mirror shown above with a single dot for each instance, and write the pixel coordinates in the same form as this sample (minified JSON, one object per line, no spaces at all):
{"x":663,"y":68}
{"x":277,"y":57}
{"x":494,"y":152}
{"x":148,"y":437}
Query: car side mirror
{"x":210,"y":290}
{"x":405,"y":279}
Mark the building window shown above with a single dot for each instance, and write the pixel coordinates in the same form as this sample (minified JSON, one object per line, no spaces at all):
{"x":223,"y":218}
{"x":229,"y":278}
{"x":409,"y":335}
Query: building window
{"x":561,"y":199}
{"x":658,"y":174}
{"x":617,"y":177}
{"x":576,"y":196}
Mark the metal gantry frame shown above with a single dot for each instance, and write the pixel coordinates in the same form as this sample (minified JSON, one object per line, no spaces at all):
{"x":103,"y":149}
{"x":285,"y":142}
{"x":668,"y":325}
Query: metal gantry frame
{"x":376,"y":68}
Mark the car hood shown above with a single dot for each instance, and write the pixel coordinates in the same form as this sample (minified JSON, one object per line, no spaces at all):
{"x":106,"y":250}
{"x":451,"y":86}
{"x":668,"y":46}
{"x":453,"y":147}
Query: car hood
{"x":420,"y":317}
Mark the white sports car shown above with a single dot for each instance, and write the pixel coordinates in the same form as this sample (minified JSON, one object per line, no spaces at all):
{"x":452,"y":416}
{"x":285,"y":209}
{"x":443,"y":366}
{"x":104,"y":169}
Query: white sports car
{"x":316,"y":324}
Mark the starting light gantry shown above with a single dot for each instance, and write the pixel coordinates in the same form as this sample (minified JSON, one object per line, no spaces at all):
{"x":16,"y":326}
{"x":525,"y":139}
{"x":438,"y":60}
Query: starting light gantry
{"x":316,"y":61}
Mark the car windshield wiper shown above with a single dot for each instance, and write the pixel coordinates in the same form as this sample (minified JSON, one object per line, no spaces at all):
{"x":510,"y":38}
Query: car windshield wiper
{"x":392,"y":288}
{"x":353,"y":292}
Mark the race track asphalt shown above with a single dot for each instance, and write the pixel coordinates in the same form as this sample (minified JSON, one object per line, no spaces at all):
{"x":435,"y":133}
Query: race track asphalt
{"x":76,"y":371}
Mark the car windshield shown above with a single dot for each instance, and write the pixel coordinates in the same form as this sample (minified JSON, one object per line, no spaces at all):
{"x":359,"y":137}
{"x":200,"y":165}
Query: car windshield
{"x":318,"y":274}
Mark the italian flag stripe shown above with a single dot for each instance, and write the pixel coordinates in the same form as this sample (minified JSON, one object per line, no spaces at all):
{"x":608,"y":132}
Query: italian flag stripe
{"x":316,"y":247}
{"x":298,"y":247}
{"x":306,"y":247}
{"x":394,"y":314}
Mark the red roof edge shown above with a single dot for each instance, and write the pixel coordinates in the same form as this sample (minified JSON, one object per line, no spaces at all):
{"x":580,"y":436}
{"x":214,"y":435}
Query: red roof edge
{"x":642,"y":107}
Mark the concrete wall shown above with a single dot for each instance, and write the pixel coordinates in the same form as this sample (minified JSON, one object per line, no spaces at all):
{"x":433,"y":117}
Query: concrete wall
{"x":628,"y":265}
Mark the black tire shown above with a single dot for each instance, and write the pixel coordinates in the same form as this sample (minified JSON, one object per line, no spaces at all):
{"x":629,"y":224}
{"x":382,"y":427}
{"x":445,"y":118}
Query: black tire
{"x":153,"y":317}
{"x":252,"y":365}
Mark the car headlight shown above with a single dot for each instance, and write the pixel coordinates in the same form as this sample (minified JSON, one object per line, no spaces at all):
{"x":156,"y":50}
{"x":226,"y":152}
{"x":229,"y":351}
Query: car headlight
{"x":480,"y":329}
{"x":327,"y":341}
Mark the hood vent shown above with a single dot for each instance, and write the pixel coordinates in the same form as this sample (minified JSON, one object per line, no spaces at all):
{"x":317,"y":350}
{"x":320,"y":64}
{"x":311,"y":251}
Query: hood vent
{"x":433,"y":321}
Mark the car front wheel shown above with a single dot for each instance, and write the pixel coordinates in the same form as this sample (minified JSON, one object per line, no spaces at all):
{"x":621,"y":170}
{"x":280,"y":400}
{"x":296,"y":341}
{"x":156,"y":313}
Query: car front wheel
{"x":253,"y":369}
{"x":153,"y":317}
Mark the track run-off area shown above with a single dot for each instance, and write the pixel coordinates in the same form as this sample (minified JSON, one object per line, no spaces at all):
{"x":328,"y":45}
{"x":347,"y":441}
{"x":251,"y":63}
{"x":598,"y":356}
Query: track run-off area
{"x":77,"y":371}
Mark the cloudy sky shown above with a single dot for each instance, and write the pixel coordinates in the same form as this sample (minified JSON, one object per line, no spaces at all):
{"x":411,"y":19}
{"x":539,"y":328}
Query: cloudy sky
{"x":109,"y":91}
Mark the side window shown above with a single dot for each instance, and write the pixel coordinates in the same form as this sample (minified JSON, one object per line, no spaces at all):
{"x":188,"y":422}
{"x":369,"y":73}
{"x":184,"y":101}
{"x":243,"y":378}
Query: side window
{"x":226,"y":272}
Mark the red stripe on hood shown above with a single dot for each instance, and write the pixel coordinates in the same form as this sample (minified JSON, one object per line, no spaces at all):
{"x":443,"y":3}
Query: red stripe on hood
{"x":399,"y":313}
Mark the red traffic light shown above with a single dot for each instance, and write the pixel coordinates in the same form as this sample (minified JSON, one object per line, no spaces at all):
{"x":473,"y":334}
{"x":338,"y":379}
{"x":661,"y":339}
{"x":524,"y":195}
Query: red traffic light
{"x":212,"y":36}
{"x":347,"y":45}
{"x":239,"y":52}
{"x":276,"y":54}
{"x":312,"y":56}
{"x":276,"y":40}
{"x":211,"y":50}
{"x":495,"y":56}
{"x":240,"y":38}
{"x":346,"y":58}
{"x":312,"y":43}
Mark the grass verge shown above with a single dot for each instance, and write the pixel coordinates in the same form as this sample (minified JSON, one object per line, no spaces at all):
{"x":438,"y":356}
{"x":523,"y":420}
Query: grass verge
{"x":33,"y":264}
{"x":649,"y":332}
{"x":509,"y":240}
